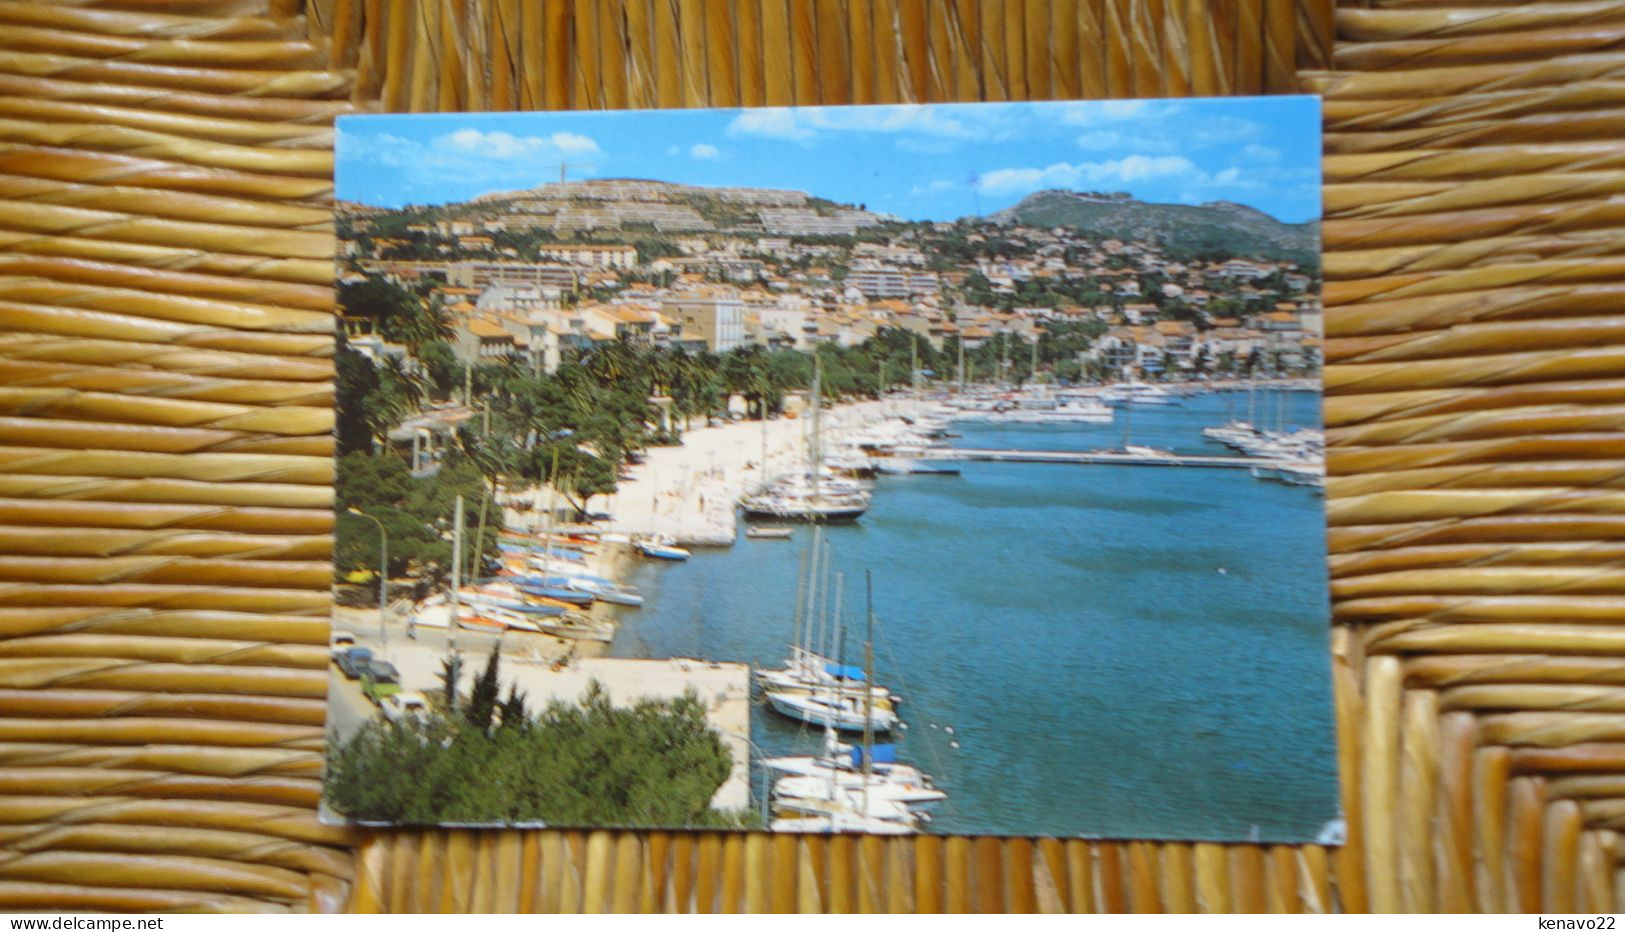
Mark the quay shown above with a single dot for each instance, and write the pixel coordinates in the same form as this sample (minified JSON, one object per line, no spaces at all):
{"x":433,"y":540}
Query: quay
{"x":1101,"y":458}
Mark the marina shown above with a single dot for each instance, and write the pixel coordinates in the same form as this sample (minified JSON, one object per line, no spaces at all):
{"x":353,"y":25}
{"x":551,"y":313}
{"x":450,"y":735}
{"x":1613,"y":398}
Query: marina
{"x":1165,"y":686}
{"x":766,"y":435}
{"x":914,"y":730}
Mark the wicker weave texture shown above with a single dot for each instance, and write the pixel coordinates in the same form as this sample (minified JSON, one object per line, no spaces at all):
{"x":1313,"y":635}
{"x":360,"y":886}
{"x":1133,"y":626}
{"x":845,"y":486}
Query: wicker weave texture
{"x":165,"y":408}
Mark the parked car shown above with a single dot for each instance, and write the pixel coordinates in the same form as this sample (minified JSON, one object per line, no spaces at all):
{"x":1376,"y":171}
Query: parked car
{"x":404,"y":705}
{"x":353,"y":662}
{"x":380,"y":680}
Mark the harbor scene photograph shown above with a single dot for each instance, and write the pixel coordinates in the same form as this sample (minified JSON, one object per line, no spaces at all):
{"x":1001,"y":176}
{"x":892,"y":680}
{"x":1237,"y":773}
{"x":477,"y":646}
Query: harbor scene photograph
{"x":909,"y":469}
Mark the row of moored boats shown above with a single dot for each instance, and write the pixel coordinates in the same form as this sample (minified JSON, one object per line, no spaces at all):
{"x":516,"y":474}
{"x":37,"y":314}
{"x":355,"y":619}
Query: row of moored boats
{"x":843,"y":787}
{"x":544,"y":586}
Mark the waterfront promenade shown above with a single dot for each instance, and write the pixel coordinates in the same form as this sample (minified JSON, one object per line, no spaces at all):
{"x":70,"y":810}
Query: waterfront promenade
{"x":689,"y":491}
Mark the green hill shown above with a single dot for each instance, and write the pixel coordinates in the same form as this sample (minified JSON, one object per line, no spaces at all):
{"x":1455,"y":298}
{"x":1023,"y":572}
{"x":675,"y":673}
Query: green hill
{"x":1210,"y":231}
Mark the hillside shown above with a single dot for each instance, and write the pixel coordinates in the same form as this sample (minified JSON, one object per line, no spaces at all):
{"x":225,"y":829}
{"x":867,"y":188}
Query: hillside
{"x":613,"y":204}
{"x":1218,"y":229}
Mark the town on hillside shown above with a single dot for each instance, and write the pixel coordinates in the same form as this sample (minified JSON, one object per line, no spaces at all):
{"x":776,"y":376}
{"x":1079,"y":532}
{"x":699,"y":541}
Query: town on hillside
{"x":535,"y":275}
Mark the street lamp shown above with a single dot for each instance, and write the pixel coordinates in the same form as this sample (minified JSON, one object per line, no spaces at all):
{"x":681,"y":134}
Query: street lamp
{"x":383,"y":573}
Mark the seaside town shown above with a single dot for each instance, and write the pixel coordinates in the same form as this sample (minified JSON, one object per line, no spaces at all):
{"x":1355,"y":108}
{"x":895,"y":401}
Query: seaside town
{"x":542,"y":391}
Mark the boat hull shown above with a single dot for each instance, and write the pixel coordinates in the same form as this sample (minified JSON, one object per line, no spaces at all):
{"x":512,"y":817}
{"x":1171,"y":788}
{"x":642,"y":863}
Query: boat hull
{"x":823,"y":717}
{"x":831,"y":515}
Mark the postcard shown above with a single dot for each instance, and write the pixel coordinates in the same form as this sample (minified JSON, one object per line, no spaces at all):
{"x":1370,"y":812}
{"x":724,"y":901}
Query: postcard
{"x":886,"y":469}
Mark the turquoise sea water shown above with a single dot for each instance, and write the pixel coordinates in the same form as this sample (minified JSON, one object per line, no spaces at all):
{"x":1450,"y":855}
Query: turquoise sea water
{"x":1071,"y":624}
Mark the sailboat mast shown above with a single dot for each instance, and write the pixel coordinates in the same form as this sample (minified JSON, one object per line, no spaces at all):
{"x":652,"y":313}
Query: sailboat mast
{"x":835,"y":608}
{"x":868,"y":686}
{"x":811,"y":616}
{"x":801,"y":593}
{"x":839,"y":653}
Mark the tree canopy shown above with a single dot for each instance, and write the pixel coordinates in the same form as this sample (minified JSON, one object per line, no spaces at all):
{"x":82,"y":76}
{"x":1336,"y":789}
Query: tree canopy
{"x":657,"y":763}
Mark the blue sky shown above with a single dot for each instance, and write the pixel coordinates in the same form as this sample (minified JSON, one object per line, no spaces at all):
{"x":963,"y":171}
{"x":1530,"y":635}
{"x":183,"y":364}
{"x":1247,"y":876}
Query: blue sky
{"x":921,"y":162}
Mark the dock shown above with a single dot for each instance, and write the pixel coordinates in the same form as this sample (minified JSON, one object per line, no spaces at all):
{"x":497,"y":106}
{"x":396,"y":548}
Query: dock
{"x":1102,"y":458}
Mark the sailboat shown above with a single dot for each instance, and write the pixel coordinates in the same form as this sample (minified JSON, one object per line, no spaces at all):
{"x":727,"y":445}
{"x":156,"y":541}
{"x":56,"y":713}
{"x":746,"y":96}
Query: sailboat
{"x":807,"y":671}
{"x":811,"y":497}
{"x":817,"y":696}
{"x":835,"y":796}
{"x":839,"y":710}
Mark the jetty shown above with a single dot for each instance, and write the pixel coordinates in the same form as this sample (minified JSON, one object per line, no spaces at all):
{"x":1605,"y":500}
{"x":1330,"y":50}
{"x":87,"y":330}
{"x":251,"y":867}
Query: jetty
{"x":1101,"y":458}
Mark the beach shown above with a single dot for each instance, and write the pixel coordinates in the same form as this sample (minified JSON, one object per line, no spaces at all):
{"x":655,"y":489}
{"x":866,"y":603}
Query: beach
{"x":689,"y":492}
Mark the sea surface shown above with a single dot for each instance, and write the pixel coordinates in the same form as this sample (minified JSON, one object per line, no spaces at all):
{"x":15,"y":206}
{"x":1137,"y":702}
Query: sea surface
{"x":1119,"y":651}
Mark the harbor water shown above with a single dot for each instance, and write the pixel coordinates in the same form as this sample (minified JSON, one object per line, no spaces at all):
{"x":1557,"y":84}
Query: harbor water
{"x":1082,"y":650}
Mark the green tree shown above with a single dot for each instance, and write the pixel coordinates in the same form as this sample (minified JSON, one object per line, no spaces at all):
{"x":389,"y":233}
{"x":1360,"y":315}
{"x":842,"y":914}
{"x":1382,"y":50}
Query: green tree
{"x":655,"y":763}
{"x":482,"y":699}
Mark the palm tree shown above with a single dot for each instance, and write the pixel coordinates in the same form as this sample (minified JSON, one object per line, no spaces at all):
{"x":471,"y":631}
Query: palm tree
{"x":408,"y":381}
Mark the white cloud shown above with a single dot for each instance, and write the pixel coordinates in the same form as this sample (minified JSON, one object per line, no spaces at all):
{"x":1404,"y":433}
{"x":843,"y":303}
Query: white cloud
{"x":419,"y":170}
{"x":1260,"y":153}
{"x":701,"y":150}
{"x":803,"y":124}
{"x":497,"y":144}
{"x":772,"y":122}
{"x":936,"y":187}
{"x":1151,"y":126}
{"x":1094,"y":113}
{"x":1068,"y":175}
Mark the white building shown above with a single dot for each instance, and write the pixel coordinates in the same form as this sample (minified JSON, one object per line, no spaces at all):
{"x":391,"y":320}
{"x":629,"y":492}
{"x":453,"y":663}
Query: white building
{"x":591,"y":255}
{"x":717,"y":319}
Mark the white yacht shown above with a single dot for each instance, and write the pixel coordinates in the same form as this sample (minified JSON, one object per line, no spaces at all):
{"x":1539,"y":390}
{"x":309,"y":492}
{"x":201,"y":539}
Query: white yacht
{"x":1139,"y":393}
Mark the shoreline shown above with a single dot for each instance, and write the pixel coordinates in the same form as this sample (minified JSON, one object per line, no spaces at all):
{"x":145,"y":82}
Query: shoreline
{"x":689,"y":492}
